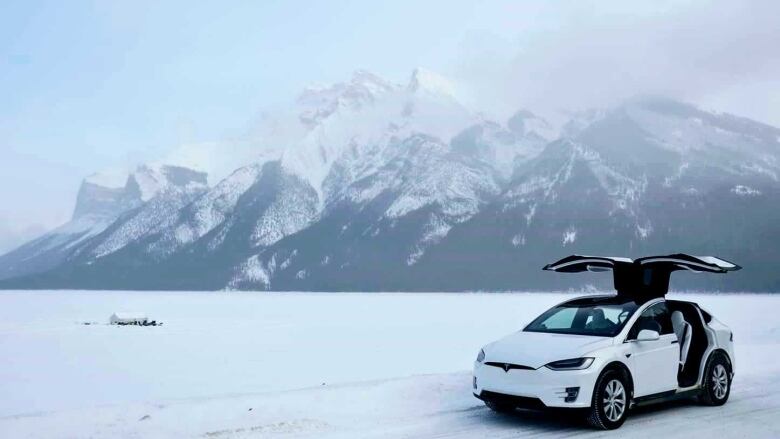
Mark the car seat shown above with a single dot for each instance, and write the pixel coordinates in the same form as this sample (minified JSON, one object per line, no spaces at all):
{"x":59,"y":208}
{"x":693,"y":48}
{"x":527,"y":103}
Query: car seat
{"x":682,"y":330}
{"x":598,"y":321}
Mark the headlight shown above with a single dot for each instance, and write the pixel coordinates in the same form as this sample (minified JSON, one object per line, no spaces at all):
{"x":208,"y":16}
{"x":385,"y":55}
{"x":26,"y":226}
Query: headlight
{"x":481,"y":356}
{"x":570,"y":364}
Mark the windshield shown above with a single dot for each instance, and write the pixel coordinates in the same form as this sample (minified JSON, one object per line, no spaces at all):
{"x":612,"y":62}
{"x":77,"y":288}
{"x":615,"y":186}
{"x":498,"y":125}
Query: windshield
{"x":599,"y":316}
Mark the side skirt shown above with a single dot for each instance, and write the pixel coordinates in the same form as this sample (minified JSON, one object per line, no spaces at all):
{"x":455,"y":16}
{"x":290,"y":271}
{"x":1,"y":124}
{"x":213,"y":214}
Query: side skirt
{"x":671,"y":395}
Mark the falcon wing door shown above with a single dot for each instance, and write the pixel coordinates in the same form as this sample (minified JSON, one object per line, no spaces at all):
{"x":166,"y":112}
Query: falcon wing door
{"x":709,"y":264}
{"x":646,"y":277}
{"x":578,"y":263}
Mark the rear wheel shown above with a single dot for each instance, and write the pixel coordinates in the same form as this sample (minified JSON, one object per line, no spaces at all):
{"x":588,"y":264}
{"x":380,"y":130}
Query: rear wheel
{"x":610,"y":401}
{"x":717,"y":381}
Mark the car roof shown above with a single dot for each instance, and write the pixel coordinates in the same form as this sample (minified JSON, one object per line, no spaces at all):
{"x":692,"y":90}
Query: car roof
{"x":611,"y":299}
{"x":687,"y":302}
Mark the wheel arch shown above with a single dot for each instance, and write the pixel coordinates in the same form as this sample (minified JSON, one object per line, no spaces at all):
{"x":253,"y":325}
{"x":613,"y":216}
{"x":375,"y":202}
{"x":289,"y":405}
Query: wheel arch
{"x":706,"y":361}
{"x":720,"y":351}
{"x":622,"y":368}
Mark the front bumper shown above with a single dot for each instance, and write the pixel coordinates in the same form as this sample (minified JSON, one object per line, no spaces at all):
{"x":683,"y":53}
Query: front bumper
{"x":522,"y":387}
{"x":522,"y":402}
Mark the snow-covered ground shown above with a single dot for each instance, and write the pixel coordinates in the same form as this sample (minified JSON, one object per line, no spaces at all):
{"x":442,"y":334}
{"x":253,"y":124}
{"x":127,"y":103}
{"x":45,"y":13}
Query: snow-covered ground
{"x":234,"y":365}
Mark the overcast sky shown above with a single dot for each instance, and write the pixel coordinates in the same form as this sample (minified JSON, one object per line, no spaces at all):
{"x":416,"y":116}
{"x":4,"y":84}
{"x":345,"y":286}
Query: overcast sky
{"x":86,"y":85}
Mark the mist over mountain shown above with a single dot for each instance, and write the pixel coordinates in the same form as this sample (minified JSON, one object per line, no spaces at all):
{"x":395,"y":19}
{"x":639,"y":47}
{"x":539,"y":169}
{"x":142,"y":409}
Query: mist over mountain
{"x":369,"y":185}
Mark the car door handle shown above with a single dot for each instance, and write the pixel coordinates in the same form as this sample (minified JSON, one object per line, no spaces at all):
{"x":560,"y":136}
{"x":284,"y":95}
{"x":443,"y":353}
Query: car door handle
{"x":675,"y":341}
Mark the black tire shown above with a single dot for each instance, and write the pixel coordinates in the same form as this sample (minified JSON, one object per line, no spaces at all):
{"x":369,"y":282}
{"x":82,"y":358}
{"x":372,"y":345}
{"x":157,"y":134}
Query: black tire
{"x":600,"y":415}
{"x":499,"y":407}
{"x":717,"y":381}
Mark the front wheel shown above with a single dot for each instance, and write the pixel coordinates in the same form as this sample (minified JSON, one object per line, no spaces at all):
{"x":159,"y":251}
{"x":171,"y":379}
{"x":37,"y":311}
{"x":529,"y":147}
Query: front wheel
{"x":609,"y":406}
{"x":717,"y":381}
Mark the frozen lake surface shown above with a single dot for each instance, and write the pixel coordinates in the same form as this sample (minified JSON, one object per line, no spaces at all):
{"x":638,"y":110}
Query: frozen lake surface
{"x":316,"y":365}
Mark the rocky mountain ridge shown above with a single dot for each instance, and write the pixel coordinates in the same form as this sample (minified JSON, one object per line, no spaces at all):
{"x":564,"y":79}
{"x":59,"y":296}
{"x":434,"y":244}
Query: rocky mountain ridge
{"x":380,"y":186}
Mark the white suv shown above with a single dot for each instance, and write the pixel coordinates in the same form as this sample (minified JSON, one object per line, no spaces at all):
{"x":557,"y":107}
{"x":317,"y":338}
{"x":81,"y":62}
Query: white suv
{"x":605,"y":354}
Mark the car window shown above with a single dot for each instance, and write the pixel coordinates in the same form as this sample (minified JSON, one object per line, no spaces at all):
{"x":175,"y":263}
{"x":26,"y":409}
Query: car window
{"x":656,"y":318}
{"x":604,"y":317}
{"x":561,"y":319}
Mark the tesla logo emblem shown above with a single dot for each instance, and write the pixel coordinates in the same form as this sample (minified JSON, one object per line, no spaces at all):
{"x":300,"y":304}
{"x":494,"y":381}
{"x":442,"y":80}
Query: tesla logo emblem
{"x":506,"y":367}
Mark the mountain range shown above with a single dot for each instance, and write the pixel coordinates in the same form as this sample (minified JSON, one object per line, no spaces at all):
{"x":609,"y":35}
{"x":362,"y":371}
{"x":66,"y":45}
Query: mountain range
{"x":368,"y":185}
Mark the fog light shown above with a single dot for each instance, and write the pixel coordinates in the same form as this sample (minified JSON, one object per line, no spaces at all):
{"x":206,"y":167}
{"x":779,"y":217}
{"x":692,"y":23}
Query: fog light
{"x":475,"y":382}
{"x":571,"y":394}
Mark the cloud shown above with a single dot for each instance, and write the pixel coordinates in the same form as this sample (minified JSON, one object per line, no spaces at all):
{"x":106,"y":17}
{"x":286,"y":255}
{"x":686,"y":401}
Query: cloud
{"x":12,"y":237}
{"x":587,"y":54}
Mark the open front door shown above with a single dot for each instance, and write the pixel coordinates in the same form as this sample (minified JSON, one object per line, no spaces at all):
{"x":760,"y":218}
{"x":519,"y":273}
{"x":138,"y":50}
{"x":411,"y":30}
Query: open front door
{"x":646,"y":277}
{"x":654,"y":362}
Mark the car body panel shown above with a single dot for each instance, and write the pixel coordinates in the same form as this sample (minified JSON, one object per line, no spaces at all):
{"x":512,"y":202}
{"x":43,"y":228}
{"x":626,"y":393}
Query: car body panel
{"x":719,"y":339}
{"x":723,"y":338}
{"x":535,"y":349}
{"x":543,"y":383}
{"x":654,"y":364}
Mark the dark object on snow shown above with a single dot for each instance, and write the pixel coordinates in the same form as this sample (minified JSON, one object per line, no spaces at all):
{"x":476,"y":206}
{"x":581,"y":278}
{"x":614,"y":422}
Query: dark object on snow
{"x":126,"y":320}
{"x":646,"y":277}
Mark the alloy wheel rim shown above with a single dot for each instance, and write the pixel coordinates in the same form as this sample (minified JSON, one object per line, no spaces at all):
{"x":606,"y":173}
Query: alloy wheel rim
{"x":720,"y":381}
{"x":614,"y":400}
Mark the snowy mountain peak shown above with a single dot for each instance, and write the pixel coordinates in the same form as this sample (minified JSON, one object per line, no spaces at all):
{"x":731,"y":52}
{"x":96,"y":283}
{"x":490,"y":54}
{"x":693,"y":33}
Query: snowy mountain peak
{"x":97,"y":200}
{"x":527,"y":124}
{"x":109,"y":178}
{"x":372,"y":82}
{"x":319,"y":102}
{"x":152,"y":179}
{"x":101,"y":195}
{"x":360,"y":119}
{"x":424,"y":80}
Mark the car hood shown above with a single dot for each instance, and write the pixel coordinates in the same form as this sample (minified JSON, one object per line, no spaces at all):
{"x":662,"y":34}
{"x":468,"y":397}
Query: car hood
{"x":535,"y":349}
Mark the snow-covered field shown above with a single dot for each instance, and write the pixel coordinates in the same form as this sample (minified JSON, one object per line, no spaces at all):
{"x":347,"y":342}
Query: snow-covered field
{"x":229,"y":365}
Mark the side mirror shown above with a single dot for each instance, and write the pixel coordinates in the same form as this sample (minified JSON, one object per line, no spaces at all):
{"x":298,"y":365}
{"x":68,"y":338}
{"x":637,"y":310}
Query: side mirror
{"x":648,"y":335}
